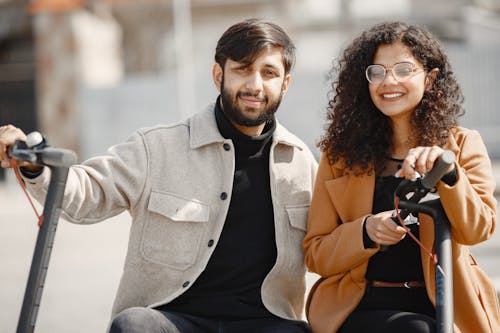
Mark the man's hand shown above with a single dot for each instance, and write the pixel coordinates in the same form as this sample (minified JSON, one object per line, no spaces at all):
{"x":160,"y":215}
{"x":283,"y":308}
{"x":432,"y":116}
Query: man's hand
{"x":8,"y":135}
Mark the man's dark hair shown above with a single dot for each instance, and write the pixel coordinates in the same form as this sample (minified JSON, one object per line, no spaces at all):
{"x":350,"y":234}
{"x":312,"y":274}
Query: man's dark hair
{"x":243,"y":41}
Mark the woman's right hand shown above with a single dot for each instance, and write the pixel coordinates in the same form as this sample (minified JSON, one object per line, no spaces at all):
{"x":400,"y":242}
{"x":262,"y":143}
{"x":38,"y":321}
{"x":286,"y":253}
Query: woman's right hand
{"x":8,"y":135}
{"x":382,"y":229}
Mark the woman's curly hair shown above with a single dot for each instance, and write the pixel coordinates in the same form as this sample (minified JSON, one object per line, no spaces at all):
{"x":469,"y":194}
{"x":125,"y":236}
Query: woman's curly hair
{"x":361,"y":135}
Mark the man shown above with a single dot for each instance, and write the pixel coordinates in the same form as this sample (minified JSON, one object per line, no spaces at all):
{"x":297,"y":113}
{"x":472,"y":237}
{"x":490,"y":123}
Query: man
{"x":219,"y":202}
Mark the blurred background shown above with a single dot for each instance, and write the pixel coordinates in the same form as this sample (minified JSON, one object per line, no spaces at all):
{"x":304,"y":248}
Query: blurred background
{"x":88,"y":73}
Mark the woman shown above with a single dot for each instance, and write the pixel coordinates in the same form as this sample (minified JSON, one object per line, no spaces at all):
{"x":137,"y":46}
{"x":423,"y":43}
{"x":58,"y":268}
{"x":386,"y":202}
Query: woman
{"x":394,"y":110}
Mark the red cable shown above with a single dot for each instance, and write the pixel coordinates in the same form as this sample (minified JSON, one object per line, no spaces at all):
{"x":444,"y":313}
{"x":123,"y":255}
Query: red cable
{"x":21,"y":183}
{"x":433,"y":256}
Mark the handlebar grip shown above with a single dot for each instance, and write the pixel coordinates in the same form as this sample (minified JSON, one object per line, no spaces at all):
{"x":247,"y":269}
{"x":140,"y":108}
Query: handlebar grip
{"x":432,"y":177}
{"x":56,"y":157}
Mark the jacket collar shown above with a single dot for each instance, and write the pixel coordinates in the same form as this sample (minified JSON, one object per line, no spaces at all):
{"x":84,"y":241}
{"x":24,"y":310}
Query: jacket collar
{"x":204,"y":131}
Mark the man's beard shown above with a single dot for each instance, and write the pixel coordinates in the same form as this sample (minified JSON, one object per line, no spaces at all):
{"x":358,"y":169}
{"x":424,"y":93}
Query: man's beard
{"x":235,"y":113}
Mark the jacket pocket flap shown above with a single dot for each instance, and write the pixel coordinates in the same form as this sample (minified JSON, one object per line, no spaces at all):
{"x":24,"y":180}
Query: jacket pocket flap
{"x":177,"y":208}
{"x":298,"y":216}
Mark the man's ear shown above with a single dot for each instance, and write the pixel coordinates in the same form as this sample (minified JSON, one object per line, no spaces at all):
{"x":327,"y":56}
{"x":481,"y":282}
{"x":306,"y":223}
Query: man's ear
{"x":431,"y":77}
{"x":286,"y":84}
{"x":217,"y":74}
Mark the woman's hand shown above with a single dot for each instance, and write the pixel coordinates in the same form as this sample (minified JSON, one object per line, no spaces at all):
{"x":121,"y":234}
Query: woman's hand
{"x":421,"y":160}
{"x":383,"y":230}
{"x":8,"y":135}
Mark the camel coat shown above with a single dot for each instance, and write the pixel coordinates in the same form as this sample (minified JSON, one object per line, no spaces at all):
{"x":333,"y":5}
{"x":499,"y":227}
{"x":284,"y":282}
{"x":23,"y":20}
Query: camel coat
{"x":334,"y":240}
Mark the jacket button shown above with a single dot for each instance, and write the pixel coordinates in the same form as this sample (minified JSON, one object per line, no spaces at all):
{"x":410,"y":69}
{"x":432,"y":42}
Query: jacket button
{"x":185,"y":284}
{"x":226,"y":146}
{"x":223,"y":196}
{"x":210,"y":243}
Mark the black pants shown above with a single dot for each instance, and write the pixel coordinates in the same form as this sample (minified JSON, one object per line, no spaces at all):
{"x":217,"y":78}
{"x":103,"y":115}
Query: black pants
{"x":388,"y":321}
{"x":392,"y":310}
{"x":145,"y":320}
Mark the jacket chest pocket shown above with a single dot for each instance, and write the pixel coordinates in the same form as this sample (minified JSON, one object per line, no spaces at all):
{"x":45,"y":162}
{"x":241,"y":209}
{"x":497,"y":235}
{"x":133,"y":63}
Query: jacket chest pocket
{"x":297,"y":218}
{"x":173,"y":230}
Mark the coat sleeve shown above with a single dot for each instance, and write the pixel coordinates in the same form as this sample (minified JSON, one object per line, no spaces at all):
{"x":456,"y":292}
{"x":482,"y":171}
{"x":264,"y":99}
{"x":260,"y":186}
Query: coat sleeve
{"x":470,"y":204}
{"x":332,"y":246}
{"x":102,"y":186}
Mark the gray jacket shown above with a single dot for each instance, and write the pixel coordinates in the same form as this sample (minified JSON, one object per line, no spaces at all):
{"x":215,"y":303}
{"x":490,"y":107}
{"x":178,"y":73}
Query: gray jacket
{"x":176,"y":181}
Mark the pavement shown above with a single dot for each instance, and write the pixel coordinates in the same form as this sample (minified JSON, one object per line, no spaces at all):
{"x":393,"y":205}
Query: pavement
{"x":86,"y":266}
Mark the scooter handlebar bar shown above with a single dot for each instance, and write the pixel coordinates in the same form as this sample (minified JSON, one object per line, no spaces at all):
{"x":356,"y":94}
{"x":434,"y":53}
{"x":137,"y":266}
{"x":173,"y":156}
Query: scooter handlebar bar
{"x":442,"y":164}
{"x":55,"y":157}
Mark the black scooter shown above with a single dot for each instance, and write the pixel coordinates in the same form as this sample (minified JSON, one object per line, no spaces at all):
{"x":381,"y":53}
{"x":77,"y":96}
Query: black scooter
{"x":411,"y":200}
{"x":35,"y":151}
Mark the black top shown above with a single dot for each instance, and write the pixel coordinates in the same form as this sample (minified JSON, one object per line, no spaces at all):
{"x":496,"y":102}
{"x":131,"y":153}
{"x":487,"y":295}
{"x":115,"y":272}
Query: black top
{"x":401,"y":261}
{"x":229,"y":287}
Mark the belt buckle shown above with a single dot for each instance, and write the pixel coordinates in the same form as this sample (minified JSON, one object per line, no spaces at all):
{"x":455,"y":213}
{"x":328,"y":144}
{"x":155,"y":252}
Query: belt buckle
{"x":406,"y":285}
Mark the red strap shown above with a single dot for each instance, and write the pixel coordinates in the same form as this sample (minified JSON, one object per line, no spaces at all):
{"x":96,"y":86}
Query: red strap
{"x":21,"y":183}
{"x":433,"y":256}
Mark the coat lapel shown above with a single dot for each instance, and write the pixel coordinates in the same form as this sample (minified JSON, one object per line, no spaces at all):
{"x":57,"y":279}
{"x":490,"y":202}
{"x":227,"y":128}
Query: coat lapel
{"x":352,"y":195}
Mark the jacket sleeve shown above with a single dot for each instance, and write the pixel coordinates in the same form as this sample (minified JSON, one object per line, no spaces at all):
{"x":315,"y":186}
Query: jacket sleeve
{"x":332,"y":246}
{"x":102,"y":186}
{"x":470,"y":204}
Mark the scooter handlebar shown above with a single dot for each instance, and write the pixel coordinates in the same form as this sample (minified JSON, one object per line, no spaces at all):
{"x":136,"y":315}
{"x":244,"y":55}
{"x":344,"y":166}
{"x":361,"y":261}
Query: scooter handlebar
{"x":427,"y":183}
{"x":54,"y":157}
{"x":442,"y":164}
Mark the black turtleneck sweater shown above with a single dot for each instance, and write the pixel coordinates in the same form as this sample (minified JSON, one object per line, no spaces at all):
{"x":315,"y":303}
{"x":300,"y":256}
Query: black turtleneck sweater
{"x":229,"y":287}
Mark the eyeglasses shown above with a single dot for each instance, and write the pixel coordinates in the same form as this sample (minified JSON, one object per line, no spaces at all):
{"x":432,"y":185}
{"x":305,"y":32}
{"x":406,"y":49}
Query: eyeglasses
{"x":402,"y":71}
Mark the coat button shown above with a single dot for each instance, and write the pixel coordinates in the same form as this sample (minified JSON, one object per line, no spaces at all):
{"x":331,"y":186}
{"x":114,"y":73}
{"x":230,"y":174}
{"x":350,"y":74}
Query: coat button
{"x":226,"y":146}
{"x":185,"y":284}
{"x":210,"y":243}
{"x":223,"y":196}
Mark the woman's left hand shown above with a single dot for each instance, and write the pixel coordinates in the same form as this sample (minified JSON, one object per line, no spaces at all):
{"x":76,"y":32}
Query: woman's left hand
{"x":421,"y":160}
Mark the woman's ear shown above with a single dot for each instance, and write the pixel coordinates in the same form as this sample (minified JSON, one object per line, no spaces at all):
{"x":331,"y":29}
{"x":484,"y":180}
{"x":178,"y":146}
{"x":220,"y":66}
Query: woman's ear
{"x":431,"y":77}
{"x":217,"y":73}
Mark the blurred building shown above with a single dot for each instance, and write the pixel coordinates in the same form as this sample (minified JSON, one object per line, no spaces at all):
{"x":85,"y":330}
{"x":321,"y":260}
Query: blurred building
{"x":17,"y":70}
{"x":107,"y":67}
